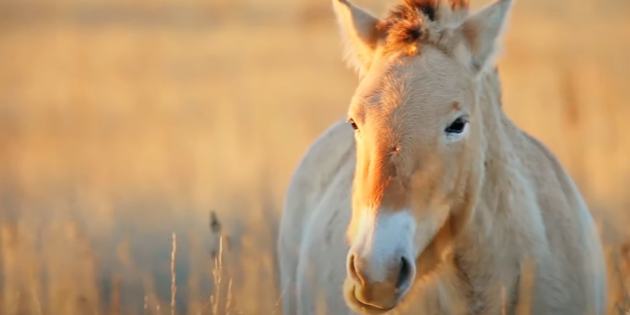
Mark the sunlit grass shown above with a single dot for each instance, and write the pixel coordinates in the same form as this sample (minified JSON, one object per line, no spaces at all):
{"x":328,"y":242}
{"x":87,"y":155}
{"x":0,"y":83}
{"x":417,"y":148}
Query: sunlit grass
{"x":117,"y":135}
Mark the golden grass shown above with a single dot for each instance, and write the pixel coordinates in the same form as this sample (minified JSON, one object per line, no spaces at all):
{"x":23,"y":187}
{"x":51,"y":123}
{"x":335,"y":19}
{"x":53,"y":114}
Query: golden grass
{"x":123,"y":124}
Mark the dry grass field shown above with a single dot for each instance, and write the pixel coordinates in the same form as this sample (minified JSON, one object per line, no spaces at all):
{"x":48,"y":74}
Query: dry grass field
{"x":124,"y":123}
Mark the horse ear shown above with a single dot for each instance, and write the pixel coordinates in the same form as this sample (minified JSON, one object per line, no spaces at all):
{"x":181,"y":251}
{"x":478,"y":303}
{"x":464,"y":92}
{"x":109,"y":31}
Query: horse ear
{"x":359,"y":33}
{"x":481,"y":32}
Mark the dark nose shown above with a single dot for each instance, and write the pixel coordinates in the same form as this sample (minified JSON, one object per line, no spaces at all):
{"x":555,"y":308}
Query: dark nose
{"x":380,"y":293}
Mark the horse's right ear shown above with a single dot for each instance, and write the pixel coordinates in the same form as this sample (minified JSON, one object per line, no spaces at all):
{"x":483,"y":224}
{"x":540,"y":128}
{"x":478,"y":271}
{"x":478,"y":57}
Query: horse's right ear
{"x":359,"y":33}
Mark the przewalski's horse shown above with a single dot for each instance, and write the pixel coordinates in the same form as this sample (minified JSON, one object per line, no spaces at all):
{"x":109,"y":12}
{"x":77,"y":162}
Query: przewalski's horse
{"x":430,"y":200}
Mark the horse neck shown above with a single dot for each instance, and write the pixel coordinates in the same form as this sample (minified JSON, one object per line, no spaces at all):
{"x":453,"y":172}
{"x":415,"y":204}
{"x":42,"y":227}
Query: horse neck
{"x":502,"y":141}
{"x":498,"y":130}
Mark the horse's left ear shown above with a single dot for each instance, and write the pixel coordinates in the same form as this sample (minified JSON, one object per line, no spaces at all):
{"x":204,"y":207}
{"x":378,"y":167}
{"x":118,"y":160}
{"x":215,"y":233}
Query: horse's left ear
{"x":359,"y":32}
{"x":481,"y":32}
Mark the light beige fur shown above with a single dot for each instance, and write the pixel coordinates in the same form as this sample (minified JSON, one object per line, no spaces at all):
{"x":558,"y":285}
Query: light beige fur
{"x":403,"y":216}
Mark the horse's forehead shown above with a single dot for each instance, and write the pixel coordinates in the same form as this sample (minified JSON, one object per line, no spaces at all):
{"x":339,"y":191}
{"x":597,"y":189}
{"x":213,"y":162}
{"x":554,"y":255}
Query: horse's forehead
{"x":415,"y":92}
{"x":428,"y":74}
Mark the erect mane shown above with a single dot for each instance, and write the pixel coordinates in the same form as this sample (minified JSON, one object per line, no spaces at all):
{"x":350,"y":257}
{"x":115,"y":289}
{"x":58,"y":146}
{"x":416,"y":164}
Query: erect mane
{"x":414,"y":21}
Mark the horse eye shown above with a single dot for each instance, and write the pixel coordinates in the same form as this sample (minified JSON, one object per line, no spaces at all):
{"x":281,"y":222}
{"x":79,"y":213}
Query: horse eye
{"x":457,"y":126}
{"x":353,"y":124}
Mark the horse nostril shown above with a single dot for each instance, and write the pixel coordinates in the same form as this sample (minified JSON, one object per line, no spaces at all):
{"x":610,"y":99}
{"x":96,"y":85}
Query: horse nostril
{"x":404,"y":274}
{"x":352,"y":270}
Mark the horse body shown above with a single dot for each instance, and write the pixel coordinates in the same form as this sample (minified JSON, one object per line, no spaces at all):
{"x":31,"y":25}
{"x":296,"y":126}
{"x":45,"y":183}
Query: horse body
{"x":488,"y":222}
{"x":325,"y":173}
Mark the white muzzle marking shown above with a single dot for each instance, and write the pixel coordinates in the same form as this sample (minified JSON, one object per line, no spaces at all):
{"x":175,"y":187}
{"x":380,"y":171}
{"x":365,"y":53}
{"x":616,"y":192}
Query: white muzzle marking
{"x":382,"y":240}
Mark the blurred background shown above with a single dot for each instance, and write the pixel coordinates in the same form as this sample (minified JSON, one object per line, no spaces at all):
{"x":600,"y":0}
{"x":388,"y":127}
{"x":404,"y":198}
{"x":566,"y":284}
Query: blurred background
{"x":125,"y":122}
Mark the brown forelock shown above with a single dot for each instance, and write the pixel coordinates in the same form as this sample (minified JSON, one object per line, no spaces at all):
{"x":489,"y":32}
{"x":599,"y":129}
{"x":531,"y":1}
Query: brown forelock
{"x":406,"y":23}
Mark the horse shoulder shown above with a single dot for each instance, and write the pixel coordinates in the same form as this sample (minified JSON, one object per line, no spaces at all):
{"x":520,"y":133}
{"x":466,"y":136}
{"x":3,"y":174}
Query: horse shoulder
{"x":570,"y":224}
{"x":307,"y":186}
{"x":315,"y":171}
{"x":560,"y":195}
